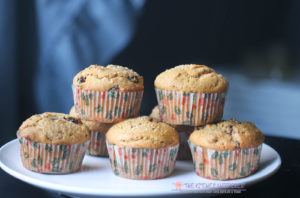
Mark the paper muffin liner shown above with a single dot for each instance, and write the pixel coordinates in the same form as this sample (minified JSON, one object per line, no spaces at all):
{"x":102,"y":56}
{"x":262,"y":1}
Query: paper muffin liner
{"x":189,"y":108}
{"x":97,"y":146}
{"x":138,"y":163}
{"x":106,"y":106}
{"x":225,"y":165}
{"x":184,"y":152}
{"x":52,"y":159}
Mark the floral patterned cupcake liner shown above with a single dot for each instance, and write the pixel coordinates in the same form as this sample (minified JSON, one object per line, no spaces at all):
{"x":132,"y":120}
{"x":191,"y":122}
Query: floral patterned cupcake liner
{"x":189,"y":108}
{"x":138,"y":163}
{"x":106,"y":106}
{"x":52,"y":159}
{"x":226,"y":164}
{"x":97,"y":146}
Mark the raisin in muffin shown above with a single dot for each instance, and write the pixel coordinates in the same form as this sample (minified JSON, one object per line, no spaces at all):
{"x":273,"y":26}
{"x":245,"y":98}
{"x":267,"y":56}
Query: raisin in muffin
{"x":227,"y":150}
{"x":107,"y":94}
{"x":53,"y":143}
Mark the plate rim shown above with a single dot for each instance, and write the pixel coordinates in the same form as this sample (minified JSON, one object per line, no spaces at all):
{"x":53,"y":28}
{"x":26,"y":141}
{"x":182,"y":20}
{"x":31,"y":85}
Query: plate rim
{"x":82,"y":191}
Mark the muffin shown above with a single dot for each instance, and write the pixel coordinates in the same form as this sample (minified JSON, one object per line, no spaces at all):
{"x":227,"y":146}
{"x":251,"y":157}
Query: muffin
{"x":53,"y":143}
{"x":184,"y":132}
{"x":191,"y":95}
{"x":107,"y":94}
{"x":97,"y":146}
{"x":226,"y":150}
{"x":142,"y":148}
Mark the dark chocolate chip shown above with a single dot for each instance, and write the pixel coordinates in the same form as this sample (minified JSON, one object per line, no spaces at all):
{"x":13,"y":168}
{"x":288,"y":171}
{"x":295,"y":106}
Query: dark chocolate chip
{"x":229,"y":129}
{"x":237,"y":145}
{"x":151,"y":119}
{"x":74,"y":120}
{"x":53,"y":119}
{"x":114,"y":88}
{"x":200,"y":127}
{"x":81,"y":79}
{"x":134,"y":79}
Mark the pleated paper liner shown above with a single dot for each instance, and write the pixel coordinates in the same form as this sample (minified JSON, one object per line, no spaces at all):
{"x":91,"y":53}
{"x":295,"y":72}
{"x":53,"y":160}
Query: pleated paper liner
{"x":138,"y":163}
{"x":52,"y":159}
{"x":97,"y":146}
{"x":188,"y":108}
{"x":226,"y":164}
{"x":106,"y":106}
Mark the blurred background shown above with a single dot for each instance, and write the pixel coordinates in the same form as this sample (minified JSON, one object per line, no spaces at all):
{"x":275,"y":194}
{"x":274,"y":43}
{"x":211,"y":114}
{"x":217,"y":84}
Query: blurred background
{"x":254,"y":44}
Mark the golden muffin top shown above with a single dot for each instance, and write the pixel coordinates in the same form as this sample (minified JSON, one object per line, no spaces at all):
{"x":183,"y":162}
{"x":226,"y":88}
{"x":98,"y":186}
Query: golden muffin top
{"x":142,"y":132}
{"x":54,"y":128}
{"x":111,"y":77}
{"x":228,"y":135}
{"x":191,"y":78}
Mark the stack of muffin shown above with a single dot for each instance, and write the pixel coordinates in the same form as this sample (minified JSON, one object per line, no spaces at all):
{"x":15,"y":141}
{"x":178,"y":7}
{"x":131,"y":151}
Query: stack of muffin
{"x":104,"y":96}
{"x":189,"y":96}
{"x":56,"y":143}
{"x":186,"y":124}
{"x":193,"y":96}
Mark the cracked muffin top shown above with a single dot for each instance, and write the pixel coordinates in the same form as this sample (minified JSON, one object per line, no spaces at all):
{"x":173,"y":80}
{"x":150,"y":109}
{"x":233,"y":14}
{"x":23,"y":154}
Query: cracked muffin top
{"x":228,"y":135}
{"x":111,"y":77}
{"x":54,"y":128}
{"x":191,"y":78}
{"x":93,"y":126}
{"x":142,"y":132}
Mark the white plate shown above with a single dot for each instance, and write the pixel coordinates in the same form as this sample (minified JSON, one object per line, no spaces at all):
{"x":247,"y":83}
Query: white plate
{"x":97,"y":179}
